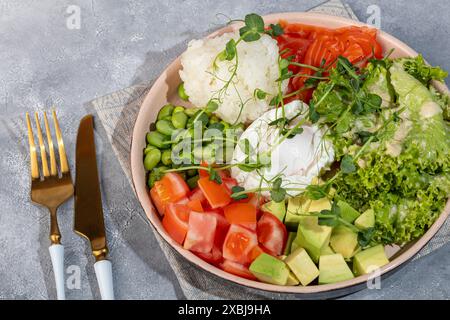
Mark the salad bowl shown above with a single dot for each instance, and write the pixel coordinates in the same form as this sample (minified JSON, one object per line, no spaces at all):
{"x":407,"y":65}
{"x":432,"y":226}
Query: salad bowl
{"x":164,"y":90}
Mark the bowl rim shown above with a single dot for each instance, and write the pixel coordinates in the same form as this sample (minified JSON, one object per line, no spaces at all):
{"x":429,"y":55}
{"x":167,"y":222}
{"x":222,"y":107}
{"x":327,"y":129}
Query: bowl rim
{"x":146,"y":204}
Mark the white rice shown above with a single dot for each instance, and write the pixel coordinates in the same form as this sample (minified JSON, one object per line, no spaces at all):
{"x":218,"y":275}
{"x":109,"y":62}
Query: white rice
{"x":257,"y":69}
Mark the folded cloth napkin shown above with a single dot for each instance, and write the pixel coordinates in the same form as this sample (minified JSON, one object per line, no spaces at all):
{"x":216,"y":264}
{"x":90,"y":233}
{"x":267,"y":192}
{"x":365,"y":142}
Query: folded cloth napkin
{"x":117,"y":113}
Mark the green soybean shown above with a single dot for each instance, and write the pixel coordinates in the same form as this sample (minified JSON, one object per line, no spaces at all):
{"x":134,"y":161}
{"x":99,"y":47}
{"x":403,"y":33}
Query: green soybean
{"x":157,"y":139}
{"x":181,"y":93}
{"x":148,"y":148}
{"x":178,"y":109}
{"x":179,"y":120}
{"x":165,"y":127}
{"x":198,"y":153}
{"x":151,"y":159}
{"x":192,"y":181}
{"x":191,"y":173}
{"x":191,"y":111}
{"x":165,"y":111}
{"x":213,"y":119}
{"x":166,"y":157}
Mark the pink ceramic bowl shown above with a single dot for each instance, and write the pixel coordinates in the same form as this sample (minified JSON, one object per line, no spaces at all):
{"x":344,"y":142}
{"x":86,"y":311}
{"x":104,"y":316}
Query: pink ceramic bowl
{"x":165,"y":90}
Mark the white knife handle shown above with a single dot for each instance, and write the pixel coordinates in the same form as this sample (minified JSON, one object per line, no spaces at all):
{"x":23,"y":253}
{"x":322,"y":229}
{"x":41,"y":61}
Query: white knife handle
{"x":57,"y":256}
{"x":103,"y":271}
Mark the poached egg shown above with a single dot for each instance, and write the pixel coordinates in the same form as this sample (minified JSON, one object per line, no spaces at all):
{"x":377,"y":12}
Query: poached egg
{"x":297,"y":160}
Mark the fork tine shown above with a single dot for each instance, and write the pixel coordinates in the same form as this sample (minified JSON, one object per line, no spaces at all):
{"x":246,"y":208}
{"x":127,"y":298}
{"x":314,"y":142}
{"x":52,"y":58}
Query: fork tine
{"x":33,"y":154}
{"x":42,"y":147}
{"x":51,"y":151}
{"x":62,"y":152}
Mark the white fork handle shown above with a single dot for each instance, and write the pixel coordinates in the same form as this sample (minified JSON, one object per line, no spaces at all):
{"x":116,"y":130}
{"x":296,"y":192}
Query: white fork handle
{"x":57,"y":256}
{"x":103,"y":271}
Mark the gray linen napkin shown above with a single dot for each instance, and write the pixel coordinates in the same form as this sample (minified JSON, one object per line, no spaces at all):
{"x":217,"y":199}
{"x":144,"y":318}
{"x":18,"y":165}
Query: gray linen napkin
{"x":117,"y":113}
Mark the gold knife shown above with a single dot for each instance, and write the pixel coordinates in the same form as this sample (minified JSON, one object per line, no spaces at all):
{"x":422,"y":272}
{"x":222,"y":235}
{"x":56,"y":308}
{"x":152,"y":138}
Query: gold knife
{"x":88,"y":206}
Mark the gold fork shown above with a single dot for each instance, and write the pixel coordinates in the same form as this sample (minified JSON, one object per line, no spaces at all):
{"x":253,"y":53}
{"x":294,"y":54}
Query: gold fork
{"x":50,"y":188}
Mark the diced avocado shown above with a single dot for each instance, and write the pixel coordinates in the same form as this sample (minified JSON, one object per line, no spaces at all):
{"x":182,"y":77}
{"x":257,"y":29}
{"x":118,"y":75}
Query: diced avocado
{"x":290,"y":239}
{"x":296,"y":205}
{"x":302,"y":266}
{"x":347,"y":212}
{"x":365,"y":220}
{"x":294,"y":245}
{"x":369,"y":260}
{"x":326,"y":250}
{"x":278,"y":209}
{"x":344,"y":241}
{"x":292,"y":279}
{"x":319,"y":205}
{"x":333,"y":268}
{"x":269,"y":269}
{"x":312,"y":237}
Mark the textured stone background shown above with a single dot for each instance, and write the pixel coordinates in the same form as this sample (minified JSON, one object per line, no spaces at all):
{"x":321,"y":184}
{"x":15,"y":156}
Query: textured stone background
{"x":121,"y":43}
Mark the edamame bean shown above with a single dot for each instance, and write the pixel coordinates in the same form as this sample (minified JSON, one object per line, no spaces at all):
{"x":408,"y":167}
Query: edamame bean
{"x":181,"y":93}
{"x":166,"y":157}
{"x":165,"y":127}
{"x":191,"y":111}
{"x":192,"y":181}
{"x":178,"y":109}
{"x":198,"y":153}
{"x":151,"y":159}
{"x":148,"y":148}
{"x":165,"y":111}
{"x":157,"y":139}
{"x":213,"y":119}
{"x":179,"y":120}
{"x":191,"y":173}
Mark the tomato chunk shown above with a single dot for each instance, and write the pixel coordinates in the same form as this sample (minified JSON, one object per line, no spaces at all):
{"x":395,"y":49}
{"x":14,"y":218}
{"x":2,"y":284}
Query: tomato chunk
{"x":221,"y":229}
{"x":213,"y":257}
{"x":237,"y":269}
{"x":175,"y":221}
{"x":201,"y":231}
{"x":216,"y":194}
{"x":197,"y":194}
{"x":241,"y":213}
{"x":272,"y":233}
{"x":238,"y":244}
{"x":171,"y":188}
{"x":195,"y":205}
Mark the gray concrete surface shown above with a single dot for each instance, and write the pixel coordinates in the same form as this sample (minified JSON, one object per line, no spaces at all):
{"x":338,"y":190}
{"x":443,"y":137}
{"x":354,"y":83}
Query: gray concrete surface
{"x":120,"y":43}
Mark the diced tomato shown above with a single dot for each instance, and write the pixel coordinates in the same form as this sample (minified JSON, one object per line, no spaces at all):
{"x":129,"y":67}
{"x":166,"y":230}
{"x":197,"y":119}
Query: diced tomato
{"x":222,"y":227}
{"x":195,"y":205}
{"x":238,"y":244}
{"x":216,"y":194}
{"x":197,"y":194}
{"x":272,"y":233}
{"x":237,"y":269}
{"x":255,"y":252}
{"x":184,"y":200}
{"x":175,"y":221}
{"x":243,"y":214}
{"x":201,"y":231}
{"x":171,"y":188}
{"x":213,"y":257}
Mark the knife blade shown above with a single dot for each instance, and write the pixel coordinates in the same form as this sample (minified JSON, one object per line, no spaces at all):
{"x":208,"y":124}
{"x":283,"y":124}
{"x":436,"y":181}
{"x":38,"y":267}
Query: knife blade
{"x":89,"y":221}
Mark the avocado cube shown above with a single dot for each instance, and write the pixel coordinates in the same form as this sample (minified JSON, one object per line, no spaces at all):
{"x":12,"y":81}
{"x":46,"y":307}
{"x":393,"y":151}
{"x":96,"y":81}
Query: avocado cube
{"x":319,"y":205}
{"x":294,"y":245}
{"x":269,"y":269}
{"x":369,"y":260}
{"x":302,"y":266}
{"x":365,"y":220}
{"x":278,"y":209}
{"x":333,"y":268}
{"x":344,"y":241}
{"x":295,"y":207}
{"x":290,"y":239}
{"x":292,"y":279}
{"x":347,"y":212}
{"x":312,"y":237}
{"x":327,"y":250}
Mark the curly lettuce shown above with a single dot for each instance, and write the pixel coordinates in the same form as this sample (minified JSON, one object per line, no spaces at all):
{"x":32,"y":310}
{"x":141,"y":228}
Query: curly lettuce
{"x":419,"y":69}
{"x":404,"y":174}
